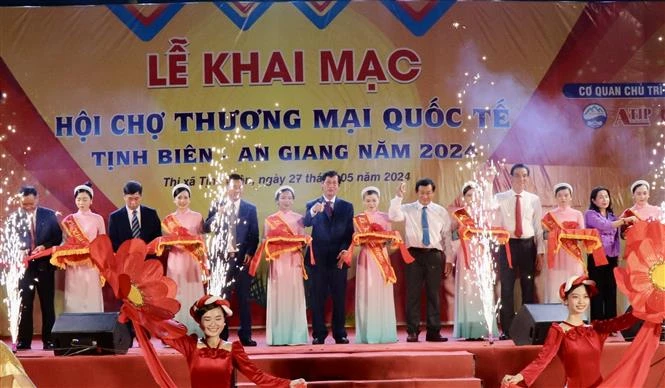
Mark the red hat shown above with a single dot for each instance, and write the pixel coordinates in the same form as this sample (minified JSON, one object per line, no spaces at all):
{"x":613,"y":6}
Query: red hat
{"x":574,"y":281}
{"x":207,"y":300}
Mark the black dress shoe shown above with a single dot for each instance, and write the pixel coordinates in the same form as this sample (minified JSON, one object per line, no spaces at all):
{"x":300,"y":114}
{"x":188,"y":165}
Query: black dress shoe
{"x":23,"y":345}
{"x":412,"y":337}
{"x":248,"y":342}
{"x":342,"y":340}
{"x":435,"y":338}
{"x":49,"y":345}
{"x":318,"y":341}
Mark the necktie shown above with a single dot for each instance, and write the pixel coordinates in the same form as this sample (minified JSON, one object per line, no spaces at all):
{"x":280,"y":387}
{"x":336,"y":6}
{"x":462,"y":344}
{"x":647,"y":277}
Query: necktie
{"x":136,"y":228}
{"x":518,"y":217}
{"x":425,"y":226}
{"x":32,"y":231}
{"x":328,"y":208}
{"x":233,"y":221}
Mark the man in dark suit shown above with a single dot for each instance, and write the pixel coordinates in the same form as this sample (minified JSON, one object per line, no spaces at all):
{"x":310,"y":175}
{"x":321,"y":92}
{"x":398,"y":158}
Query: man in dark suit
{"x":133,"y":220}
{"x":241,"y":226}
{"x":331,"y":219}
{"x":41,"y":230}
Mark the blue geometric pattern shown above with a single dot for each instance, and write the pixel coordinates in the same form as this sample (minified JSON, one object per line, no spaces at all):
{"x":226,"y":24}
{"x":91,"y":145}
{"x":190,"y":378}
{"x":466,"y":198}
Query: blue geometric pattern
{"x":243,"y":22}
{"x":418,"y":27}
{"x":321,"y":21}
{"x":147,"y":28}
{"x":149,"y":31}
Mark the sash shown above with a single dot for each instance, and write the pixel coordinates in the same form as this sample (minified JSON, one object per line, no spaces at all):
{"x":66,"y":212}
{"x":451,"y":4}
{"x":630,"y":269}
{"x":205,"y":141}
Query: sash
{"x":179,"y":235}
{"x":568,"y":236}
{"x":281,"y":239}
{"x":373,"y":237}
{"x":75,"y":250}
{"x":467,"y":230}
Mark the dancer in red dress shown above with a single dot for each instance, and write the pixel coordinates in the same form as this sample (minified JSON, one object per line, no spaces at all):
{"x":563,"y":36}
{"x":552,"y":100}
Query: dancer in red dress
{"x":148,"y":299}
{"x":578,"y":345}
{"x":212,"y":360}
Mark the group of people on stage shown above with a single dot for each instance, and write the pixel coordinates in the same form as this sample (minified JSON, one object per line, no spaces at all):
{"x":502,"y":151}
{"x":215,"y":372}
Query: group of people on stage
{"x":599,"y":228}
{"x":433,"y":246}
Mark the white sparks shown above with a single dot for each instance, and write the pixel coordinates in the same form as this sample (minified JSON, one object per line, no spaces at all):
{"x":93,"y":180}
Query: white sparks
{"x":12,"y":268}
{"x":219,"y":240}
{"x":483,"y":267}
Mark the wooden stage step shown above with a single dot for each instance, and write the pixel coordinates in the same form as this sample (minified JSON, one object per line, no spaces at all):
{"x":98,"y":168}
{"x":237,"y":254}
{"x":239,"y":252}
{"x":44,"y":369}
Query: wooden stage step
{"x":398,"y":368}
{"x":469,"y":382}
{"x":366,"y":366}
{"x":457,"y":363}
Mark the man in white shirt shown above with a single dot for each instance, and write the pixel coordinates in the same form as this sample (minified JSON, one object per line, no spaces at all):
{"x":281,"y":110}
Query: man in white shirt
{"x":428,"y":236}
{"x":519,"y":212}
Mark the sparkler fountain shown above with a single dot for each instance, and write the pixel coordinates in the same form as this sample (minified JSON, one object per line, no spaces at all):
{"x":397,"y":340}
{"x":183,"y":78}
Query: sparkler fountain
{"x":483,"y":245}
{"x":12,"y":227}
{"x":12,"y":268}
{"x":218,"y":242}
{"x":483,"y":241}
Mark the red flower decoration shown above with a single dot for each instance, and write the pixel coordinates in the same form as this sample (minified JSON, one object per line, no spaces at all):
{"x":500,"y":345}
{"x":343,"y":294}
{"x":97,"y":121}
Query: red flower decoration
{"x":148,"y":296}
{"x":643,"y":279}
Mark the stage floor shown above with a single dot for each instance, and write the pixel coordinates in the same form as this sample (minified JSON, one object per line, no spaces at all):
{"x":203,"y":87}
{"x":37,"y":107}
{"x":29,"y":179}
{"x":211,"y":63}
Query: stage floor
{"x":489,"y":361}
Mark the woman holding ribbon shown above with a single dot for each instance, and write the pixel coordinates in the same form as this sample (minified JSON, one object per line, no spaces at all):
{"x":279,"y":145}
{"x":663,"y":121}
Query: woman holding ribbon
{"x":375,"y":305}
{"x":641,"y":208}
{"x":286,"y":316}
{"x":468,"y":320}
{"x":561,"y":263}
{"x":83,"y":285}
{"x":186,"y":263}
{"x":375,"y":276}
{"x":600,"y":217}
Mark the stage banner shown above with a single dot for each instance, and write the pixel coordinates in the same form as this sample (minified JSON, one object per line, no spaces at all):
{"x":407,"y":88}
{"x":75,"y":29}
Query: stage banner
{"x":381,"y":91}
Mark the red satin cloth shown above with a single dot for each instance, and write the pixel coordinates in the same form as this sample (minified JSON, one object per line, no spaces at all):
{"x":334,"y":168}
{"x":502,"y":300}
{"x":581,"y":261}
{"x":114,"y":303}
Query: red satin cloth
{"x":579,"y":349}
{"x":210,"y":367}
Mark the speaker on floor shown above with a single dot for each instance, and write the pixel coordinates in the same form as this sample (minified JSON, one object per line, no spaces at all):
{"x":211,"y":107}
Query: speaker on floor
{"x":532,"y":322}
{"x":90,"y":333}
{"x":630,"y":333}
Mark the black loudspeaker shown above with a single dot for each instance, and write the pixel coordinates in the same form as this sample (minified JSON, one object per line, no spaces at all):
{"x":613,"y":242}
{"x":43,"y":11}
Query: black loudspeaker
{"x":532,"y":322}
{"x":90,"y":333}
{"x":630,"y":333}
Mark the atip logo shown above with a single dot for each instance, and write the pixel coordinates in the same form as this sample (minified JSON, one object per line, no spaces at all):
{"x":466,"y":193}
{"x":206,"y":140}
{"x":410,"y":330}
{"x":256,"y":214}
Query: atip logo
{"x":633,"y":117}
{"x":594,"y":116}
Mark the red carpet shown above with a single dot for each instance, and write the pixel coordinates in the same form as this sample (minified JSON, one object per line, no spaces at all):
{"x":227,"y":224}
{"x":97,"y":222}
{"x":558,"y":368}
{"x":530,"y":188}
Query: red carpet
{"x":422,"y":365}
